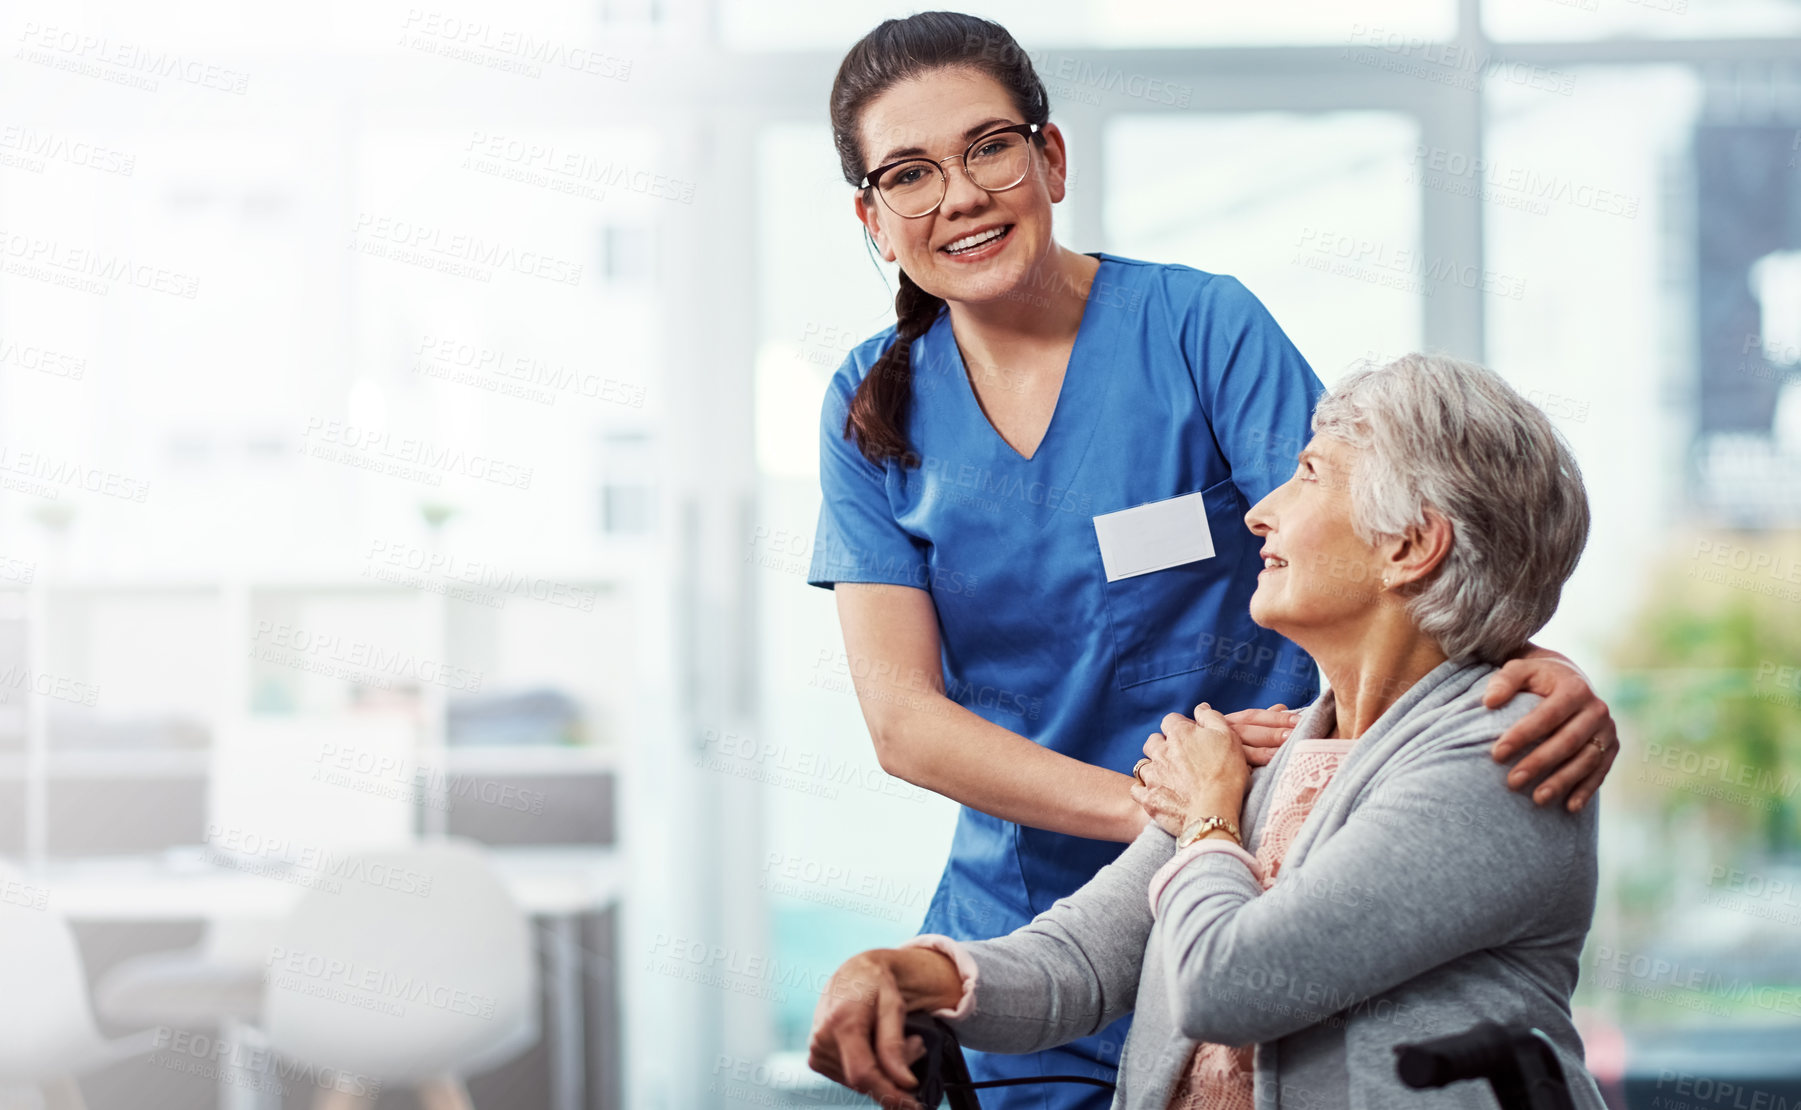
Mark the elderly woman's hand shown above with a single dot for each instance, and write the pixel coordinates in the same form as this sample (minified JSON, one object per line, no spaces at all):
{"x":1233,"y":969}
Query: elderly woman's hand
{"x":857,"y":1028}
{"x":1571,"y":732}
{"x":1197,"y":769}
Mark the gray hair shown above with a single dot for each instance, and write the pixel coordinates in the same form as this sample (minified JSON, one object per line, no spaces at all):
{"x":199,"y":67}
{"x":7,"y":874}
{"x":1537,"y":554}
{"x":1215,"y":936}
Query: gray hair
{"x":1439,"y":433}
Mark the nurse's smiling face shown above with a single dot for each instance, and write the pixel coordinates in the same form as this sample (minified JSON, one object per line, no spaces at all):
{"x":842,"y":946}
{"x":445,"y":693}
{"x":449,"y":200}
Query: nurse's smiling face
{"x":1318,"y":575}
{"x":935,"y":113}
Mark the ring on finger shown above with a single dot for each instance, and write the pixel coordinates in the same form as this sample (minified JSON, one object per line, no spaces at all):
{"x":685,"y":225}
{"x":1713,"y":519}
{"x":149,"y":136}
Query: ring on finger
{"x":1599,"y":743}
{"x":1138,"y":767}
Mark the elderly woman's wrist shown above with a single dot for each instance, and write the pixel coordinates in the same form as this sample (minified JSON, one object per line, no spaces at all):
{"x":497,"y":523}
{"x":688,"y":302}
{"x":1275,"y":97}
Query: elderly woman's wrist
{"x":1214,"y":803}
{"x":927,"y":978}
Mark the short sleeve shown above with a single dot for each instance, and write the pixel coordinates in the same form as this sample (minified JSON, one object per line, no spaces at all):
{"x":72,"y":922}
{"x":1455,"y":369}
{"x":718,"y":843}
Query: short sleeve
{"x":858,"y":539}
{"x":1258,"y":390}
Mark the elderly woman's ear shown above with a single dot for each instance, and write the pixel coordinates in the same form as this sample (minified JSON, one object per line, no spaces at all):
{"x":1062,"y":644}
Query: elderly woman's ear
{"x":1418,"y":553}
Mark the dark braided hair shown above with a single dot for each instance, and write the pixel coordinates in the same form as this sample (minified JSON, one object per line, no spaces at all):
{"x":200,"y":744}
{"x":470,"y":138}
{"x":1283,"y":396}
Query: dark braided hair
{"x":896,"y":50}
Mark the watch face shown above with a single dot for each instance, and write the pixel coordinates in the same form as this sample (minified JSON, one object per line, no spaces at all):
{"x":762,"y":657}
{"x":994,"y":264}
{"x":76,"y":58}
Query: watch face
{"x":1201,"y":828}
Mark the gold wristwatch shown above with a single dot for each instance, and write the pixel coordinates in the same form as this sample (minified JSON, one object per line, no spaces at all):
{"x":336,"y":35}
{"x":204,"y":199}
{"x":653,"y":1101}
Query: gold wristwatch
{"x":1204,"y":825}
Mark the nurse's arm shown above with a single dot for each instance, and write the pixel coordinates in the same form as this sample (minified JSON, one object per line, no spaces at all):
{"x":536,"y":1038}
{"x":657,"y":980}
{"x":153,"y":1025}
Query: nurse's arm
{"x":1571,"y":732}
{"x":922,"y":736}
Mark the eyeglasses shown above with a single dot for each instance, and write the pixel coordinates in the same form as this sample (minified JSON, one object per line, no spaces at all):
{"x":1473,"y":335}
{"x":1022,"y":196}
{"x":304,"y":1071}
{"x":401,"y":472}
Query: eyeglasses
{"x":915,"y":187}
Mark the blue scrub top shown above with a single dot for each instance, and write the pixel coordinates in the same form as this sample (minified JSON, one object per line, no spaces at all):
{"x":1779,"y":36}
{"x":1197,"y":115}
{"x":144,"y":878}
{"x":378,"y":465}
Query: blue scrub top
{"x":1179,"y":382}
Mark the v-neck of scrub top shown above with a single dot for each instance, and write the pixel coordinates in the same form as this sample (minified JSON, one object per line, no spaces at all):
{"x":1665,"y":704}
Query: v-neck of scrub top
{"x":1077,"y":396}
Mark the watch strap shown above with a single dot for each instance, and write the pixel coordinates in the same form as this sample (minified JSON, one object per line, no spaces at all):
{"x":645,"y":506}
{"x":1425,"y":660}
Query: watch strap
{"x":1202,"y":826}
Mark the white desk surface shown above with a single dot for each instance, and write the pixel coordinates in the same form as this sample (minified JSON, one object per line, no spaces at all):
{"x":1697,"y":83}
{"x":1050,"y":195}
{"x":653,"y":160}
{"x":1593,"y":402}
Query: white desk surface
{"x":185,"y":885}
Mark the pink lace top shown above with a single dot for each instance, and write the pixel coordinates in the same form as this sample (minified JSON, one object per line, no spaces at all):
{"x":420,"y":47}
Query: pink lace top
{"x":1218,"y":1077}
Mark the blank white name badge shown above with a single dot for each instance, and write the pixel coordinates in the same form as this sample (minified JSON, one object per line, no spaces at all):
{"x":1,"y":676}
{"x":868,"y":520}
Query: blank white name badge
{"x":1154,"y":536}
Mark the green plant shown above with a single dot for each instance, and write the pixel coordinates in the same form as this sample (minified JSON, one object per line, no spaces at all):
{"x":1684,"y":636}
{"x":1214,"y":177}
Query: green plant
{"x":1710,"y":689}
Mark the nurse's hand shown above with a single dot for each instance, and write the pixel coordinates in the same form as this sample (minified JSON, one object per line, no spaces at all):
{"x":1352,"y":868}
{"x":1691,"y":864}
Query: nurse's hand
{"x":1198,"y":768}
{"x":858,"y":1023}
{"x":1571,"y":732}
{"x":1262,"y":731}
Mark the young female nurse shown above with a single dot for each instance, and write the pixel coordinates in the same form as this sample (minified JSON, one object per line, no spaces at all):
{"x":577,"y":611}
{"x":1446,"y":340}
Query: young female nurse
{"x":1034,"y":490}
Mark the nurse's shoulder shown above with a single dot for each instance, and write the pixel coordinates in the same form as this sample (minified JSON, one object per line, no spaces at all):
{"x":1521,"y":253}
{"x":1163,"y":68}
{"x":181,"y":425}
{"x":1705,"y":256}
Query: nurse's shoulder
{"x":1179,"y":291}
{"x":1218,"y":323}
{"x":860,"y":358}
{"x":858,"y":361}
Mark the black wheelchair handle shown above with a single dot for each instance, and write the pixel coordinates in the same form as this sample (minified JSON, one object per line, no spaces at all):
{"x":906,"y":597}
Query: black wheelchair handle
{"x":1519,"y":1063}
{"x":943,"y":1074}
{"x":1471,"y":1054}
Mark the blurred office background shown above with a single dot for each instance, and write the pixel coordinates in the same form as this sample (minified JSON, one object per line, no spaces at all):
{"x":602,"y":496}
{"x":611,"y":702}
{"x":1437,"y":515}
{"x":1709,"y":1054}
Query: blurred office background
{"x":409,"y":688}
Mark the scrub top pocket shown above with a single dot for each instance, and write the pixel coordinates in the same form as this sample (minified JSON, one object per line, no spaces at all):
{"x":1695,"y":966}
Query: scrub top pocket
{"x":1193,"y":615}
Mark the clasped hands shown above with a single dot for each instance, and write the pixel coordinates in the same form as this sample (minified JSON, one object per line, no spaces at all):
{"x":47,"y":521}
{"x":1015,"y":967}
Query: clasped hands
{"x":1199,"y":767}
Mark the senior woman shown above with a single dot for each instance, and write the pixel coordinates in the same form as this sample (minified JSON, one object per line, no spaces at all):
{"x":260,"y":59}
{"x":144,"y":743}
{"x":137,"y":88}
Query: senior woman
{"x":1388,"y":887}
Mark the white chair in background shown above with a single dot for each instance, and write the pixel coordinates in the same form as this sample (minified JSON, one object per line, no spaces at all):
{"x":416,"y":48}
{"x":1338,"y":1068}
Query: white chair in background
{"x":220,"y":979}
{"x":315,"y":783}
{"x":386,"y":984}
{"x":47,"y":1031}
